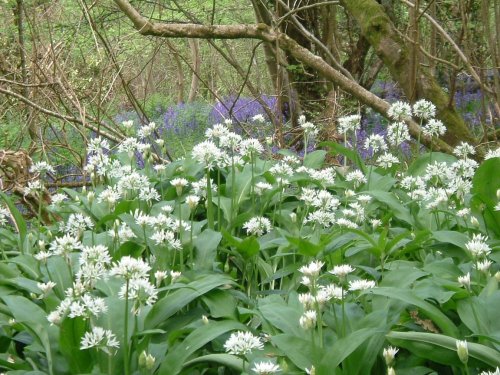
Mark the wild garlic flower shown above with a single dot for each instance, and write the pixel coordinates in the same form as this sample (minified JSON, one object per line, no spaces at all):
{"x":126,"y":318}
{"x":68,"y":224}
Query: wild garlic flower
{"x":464,"y":280}
{"x":346,"y":223}
{"x":166,"y":237}
{"x":250,"y":147}
{"x":308,"y":319}
{"x":130,"y":146}
{"x":121,"y":232}
{"x":77,"y":224}
{"x":424,"y":109}
{"x":463,"y":150}
{"x":462,"y":351}
{"x":325,"y":200}
{"x":361,"y":284}
{"x":492,"y":154}
{"x":140,"y":292}
{"x":46,"y":288}
{"x":484,"y":266}
{"x":478,"y":246}
{"x":65,"y":245}
{"x":33,"y":187}
{"x":207,"y":153}
{"x":132,"y":181}
{"x":259,"y":118}
{"x":241,"y":343}
{"x":99,"y":338}
{"x":96,"y":255}
{"x":342,"y":270}
{"x":98,"y":146}
{"x":231,"y":141}
{"x":399,"y":111}
{"x":309,"y":129}
{"x":149,"y":194}
{"x":261,"y":187}
{"x":58,"y":198}
{"x":179,"y":183}
{"x":42,"y":167}
{"x":324,"y":176}
{"x":160,"y":276}
{"x":434,"y":128}
{"x":357,"y":177}
{"x":376,"y":143}
{"x":216,"y":132}
{"x":397,"y":133}
{"x":257,"y":226}
{"x":281,"y":169}
{"x":387,"y":160}
{"x":110,"y":196}
{"x":389,"y":354}
{"x":312,"y":269}
{"x":4,"y":214}
{"x":146,"y":130}
{"x":321,"y":217}
{"x":349,"y":123}
{"x":266,"y":368}
{"x":494,"y":372}
{"x":192,"y":201}
{"x":130,"y":268}
{"x":332,"y":291}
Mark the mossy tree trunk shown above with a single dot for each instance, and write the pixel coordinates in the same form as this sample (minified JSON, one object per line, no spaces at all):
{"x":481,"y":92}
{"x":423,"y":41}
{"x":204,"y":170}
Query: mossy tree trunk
{"x":378,"y":29}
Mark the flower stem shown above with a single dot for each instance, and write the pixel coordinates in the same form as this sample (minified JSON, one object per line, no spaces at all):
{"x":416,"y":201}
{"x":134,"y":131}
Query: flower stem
{"x":126,"y":364}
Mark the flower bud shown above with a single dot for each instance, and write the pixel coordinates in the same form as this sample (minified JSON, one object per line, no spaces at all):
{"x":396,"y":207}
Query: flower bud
{"x":462,"y":351}
{"x":204,"y":319}
{"x":146,"y":361}
{"x":391,"y":371}
{"x":389,"y":355}
{"x":474,"y":222}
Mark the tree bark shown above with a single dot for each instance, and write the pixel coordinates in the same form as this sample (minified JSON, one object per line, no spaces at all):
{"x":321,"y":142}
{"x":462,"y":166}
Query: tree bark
{"x":379,"y":30}
{"x":194,"y":44}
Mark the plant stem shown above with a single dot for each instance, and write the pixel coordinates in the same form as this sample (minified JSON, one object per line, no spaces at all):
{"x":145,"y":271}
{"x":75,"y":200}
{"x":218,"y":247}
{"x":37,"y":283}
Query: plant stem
{"x":125,"y":333}
{"x":210,"y":214}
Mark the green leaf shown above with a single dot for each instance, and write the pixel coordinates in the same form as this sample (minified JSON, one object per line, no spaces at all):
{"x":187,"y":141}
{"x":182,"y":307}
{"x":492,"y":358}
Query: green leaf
{"x":485,"y":183}
{"x":206,"y":244}
{"x":300,"y":351}
{"x":315,"y":159}
{"x":409,"y":297}
{"x":488,"y":356}
{"x":227,"y":360}
{"x":71,"y":333}
{"x":453,"y":237}
{"x":176,"y":358}
{"x":304,"y":246}
{"x":401,"y":212}
{"x":353,"y":155}
{"x":167,"y":306}
{"x":417,"y":168}
{"x":19,"y":221}
{"x":220,"y":303}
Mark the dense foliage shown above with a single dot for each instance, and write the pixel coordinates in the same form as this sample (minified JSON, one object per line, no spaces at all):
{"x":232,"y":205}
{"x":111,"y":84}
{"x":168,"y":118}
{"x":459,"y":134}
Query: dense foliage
{"x":238,"y":260}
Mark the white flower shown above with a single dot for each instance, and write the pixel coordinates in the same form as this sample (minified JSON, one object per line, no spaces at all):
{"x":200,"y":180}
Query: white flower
{"x":241,"y":343}
{"x":495,"y":372}
{"x":389,"y":355}
{"x":462,"y":350}
{"x":357,"y":177}
{"x":4,"y":214}
{"x":160,"y":276}
{"x":434,"y":128}
{"x":387,"y":160}
{"x":258,"y":118}
{"x":207,"y":153}
{"x":484,"y":266}
{"x":192,"y":201}
{"x":141,"y":292}
{"x":376,"y":143}
{"x":142,"y":219}
{"x":464,"y":280}
{"x":33,"y":187}
{"x":312,"y":269}
{"x":463,"y":150}
{"x":46,"y":287}
{"x":146,"y":130}
{"x":250,"y":146}
{"x":361,"y":284}
{"x":424,"y":109}
{"x":492,"y":154}
{"x":260,"y":187}
{"x":65,"y":245}
{"x":399,"y":111}
{"x":217,"y":131}
{"x":343,"y":222}
{"x":397,"y":133}
{"x":174,"y":275}
{"x":349,"y":123}
{"x":342,"y":270}
{"x":257,"y":226}
{"x":99,"y":338}
{"x":130,"y":268}
{"x":308,"y":319}
{"x":265,"y":368}
{"x":77,"y":224}
{"x":58,"y":198}
{"x":309,"y":129}
{"x":121,"y":232}
{"x":478,"y":246}
{"x":42,"y":167}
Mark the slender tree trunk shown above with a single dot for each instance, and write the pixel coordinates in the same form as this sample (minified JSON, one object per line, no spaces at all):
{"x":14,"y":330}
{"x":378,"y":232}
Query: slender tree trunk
{"x":194,"y":45}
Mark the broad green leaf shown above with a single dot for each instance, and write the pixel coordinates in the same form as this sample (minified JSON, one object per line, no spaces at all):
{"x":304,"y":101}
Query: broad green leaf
{"x":454,"y":237}
{"x":176,"y":357}
{"x":227,"y":360}
{"x":304,"y":246}
{"x":487,"y":355}
{"x":315,"y":159}
{"x":417,"y":168}
{"x":298,"y":349}
{"x":409,"y":297}
{"x":19,"y":221}
{"x":337,"y":148}
{"x":485,"y":184}
{"x":401,"y":212}
{"x":167,"y":306}
{"x":206,"y":245}
{"x":71,"y":333}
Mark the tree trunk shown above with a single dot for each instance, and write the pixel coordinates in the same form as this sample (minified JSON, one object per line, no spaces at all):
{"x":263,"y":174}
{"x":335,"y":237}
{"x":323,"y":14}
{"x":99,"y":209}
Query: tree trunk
{"x":378,"y":29}
{"x":194,"y":44}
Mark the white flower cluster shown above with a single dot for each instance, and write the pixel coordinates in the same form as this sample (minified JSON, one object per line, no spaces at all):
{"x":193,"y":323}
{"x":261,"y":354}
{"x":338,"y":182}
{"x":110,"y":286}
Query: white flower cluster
{"x":241,"y":343}
{"x":257,"y":226}
{"x":4,"y":215}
